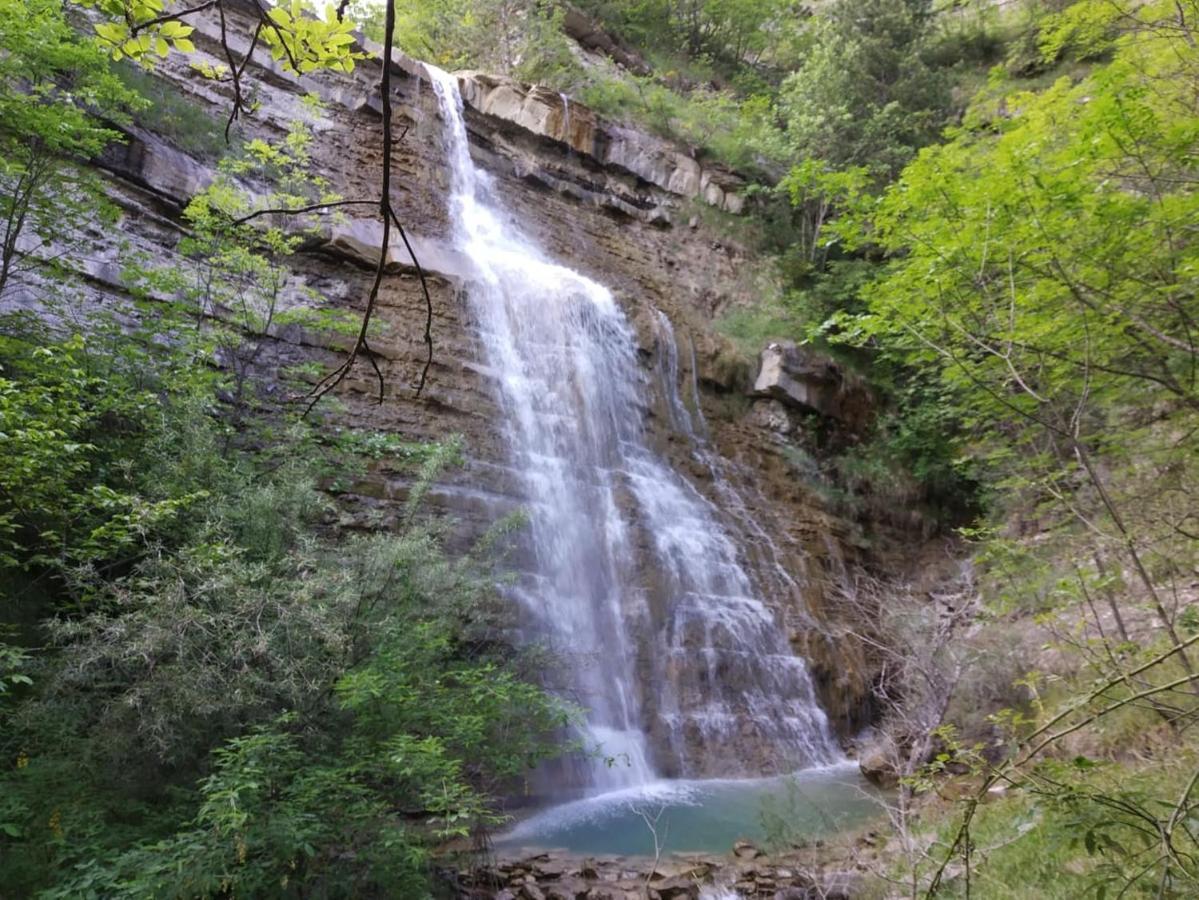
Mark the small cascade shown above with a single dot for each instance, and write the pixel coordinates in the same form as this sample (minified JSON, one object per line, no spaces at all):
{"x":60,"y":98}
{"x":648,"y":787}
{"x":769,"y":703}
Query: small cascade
{"x":634,"y":584}
{"x":702,"y":430}
{"x":566,"y":122}
{"x":668,"y":373}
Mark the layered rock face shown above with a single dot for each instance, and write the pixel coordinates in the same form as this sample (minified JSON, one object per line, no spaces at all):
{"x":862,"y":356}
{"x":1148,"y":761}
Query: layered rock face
{"x":612,"y":204}
{"x":799,"y":378}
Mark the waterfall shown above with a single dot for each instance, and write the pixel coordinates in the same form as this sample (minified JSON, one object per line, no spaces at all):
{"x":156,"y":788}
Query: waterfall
{"x":566,"y":121}
{"x":635,"y":584}
{"x":680,"y":418}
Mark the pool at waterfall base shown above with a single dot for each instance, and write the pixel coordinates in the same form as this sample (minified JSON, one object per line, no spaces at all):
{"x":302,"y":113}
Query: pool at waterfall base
{"x":705,"y":816}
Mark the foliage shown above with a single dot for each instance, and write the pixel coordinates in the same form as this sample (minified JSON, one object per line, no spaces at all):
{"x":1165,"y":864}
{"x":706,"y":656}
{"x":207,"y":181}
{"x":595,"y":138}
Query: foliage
{"x":298,"y":40}
{"x":189,"y":654}
{"x":864,"y":94}
{"x":55,"y":88}
{"x":1045,"y":274}
{"x":67,"y":475}
{"x":818,"y":194}
{"x":1041,"y":270}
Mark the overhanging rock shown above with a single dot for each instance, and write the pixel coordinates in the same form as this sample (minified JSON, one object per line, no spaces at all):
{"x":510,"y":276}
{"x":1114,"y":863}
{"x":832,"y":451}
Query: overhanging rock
{"x":809,"y":381}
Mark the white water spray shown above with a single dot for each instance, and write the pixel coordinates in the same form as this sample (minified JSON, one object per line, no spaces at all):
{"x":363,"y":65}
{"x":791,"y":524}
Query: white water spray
{"x":635,"y":584}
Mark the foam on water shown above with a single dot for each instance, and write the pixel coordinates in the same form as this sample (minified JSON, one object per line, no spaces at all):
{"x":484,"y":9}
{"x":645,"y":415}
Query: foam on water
{"x":700,"y":815}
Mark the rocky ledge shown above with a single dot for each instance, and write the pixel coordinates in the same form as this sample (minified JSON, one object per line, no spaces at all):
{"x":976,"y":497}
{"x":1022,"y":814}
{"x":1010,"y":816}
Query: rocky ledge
{"x":550,"y":114}
{"x":804,"y":380}
{"x":747,"y":873}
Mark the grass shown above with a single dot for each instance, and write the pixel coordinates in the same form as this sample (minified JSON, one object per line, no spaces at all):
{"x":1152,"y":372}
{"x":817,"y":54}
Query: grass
{"x":750,"y":328}
{"x":183,"y":122}
{"x":1025,"y":852}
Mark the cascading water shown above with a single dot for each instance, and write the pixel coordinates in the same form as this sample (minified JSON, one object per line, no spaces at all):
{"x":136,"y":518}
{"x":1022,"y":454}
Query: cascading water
{"x":634,"y":584}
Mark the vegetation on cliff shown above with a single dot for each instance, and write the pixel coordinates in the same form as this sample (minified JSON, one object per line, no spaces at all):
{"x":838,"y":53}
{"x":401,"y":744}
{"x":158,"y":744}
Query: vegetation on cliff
{"x":206,"y":688}
{"x":989,"y":211}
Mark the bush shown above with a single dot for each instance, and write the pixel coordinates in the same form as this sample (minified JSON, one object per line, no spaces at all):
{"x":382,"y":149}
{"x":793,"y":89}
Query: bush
{"x":245,"y":700}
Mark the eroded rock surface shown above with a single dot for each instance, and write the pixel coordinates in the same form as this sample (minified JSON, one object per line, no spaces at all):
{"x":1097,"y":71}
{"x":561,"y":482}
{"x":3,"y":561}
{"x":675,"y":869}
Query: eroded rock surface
{"x":558,"y":875}
{"x":809,"y":381}
{"x":596,"y":196}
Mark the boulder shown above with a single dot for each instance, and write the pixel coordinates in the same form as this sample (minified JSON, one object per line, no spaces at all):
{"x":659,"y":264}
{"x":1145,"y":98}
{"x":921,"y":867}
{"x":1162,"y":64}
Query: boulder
{"x":773,"y":415}
{"x":877,"y":767}
{"x":745,"y":850}
{"x":677,"y":888}
{"x":809,"y":381}
{"x":551,"y":868}
{"x":569,"y":889}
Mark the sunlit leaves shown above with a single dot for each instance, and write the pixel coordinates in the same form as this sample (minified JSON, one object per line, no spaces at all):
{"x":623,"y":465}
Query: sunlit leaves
{"x":304,"y":43}
{"x":135,"y":29}
{"x":1050,"y":256}
{"x":298,"y":40}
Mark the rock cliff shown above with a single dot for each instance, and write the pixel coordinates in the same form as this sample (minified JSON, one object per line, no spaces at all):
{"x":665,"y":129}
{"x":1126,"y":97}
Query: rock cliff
{"x":610,"y":202}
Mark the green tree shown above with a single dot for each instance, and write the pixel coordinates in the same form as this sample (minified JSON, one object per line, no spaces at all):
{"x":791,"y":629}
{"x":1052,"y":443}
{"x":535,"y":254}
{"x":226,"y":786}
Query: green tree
{"x":55,"y":87}
{"x":864,"y":94}
{"x":1047,"y":270}
{"x":1043,"y":267}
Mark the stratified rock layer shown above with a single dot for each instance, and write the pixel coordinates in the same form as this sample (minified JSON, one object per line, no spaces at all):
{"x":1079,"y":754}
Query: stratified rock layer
{"x":809,"y":381}
{"x":601,"y":198}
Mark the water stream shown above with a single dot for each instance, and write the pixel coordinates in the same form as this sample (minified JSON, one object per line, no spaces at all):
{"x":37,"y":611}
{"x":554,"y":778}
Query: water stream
{"x":636,"y":585}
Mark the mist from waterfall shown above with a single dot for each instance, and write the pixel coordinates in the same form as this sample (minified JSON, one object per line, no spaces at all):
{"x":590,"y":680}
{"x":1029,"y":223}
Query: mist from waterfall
{"x":635,"y":585}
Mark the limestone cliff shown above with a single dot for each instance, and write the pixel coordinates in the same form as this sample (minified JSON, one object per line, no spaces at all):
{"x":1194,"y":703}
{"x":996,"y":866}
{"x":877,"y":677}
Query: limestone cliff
{"x":612,"y":203}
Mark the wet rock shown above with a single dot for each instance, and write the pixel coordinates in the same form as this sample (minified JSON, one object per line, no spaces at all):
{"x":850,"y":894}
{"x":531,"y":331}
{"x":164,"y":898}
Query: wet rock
{"x":571,"y":889}
{"x":550,"y":868}
{"x":693,"y":868}
{"x":878,"y":768}
{"x":676,"y":888}
{"x":745,"y":850}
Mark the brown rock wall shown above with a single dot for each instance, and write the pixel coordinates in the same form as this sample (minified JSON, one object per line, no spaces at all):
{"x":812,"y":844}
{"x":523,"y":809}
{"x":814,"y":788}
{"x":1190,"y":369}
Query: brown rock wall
{"x":604,"y":207}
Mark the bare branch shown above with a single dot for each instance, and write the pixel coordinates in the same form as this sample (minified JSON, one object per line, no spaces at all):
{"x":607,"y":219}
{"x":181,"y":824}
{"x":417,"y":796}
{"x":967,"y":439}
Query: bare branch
{"x":135,"y":27}
{"x":301,"y":210}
